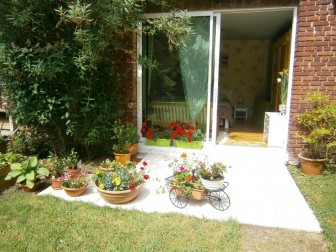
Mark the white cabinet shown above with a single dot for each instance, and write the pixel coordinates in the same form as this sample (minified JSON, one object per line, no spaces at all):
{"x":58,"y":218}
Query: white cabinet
{"x":274,"y":129}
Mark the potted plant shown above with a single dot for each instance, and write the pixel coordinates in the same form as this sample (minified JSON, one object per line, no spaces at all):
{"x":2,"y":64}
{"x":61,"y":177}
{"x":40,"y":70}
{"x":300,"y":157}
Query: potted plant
{"x":318,"y":125}
{"x":5,"y":160}
{"x":108,"y":165}
{"x":212,"y":176}
{"x":28,"y":173}
{"x":74,"y":186}
{"x":122,"y":184}
{"x":186,"y":136}
{"x":283,"y":81}
{"x":185,"y":178}
{"x":122,"y":153}
{"x":56,"y":169}
{"x":131,"y":132}
{"x":156,"y":135}
{"x":70,"y":163}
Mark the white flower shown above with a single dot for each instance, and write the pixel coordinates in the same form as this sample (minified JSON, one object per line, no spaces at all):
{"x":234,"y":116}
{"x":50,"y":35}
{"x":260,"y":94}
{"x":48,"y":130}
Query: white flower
{"x":279,"y":80}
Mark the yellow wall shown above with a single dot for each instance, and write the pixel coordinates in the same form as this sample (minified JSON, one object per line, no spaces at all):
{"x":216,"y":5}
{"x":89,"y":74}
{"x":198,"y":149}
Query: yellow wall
{"x":246,"y":70}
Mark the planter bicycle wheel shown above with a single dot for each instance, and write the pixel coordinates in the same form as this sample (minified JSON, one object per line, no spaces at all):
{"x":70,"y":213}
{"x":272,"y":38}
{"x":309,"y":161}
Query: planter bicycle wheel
{"x":178,"y":197}
{"x":219,"y":200}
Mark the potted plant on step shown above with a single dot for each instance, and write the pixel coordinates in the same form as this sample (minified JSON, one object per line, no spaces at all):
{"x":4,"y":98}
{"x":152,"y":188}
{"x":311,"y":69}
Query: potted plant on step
{"x":318,"y":125}
{"x":122,"y":153}
{"x":74,"y":186}
{"x":122,"y":184}
{"x":56,"y":169}
{"x":186,"y":136}
{"x":28,"y":174}
{"x":131,"y":132}
{"x":5,"y":160}
{"x":212,"y":176}
{"x":156,"y":135}
{"x":70,"y":163}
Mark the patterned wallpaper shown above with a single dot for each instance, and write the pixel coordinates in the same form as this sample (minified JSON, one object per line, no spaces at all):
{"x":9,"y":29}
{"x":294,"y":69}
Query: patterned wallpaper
{"x":243,"y":69}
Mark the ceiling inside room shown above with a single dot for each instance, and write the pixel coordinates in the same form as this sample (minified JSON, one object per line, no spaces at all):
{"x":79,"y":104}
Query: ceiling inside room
{"x":255,"y":25}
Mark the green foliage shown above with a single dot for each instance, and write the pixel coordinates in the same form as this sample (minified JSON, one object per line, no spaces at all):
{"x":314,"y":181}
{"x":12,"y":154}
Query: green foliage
{"x":123,"y":136}
{"x":74,"y":182}
{"x":70,"y":161}
{"x":59,"y":64}
{"x":54,"y":165}
{"x":320,"y":191}
{"x":211,"y":172}
{"x":131,"y":132}
{"x":27,"y":171}
{"x":319,"y":126}
{"x":9,"y":158}
{"x":29,"y":142}
{"x":283,"y":85}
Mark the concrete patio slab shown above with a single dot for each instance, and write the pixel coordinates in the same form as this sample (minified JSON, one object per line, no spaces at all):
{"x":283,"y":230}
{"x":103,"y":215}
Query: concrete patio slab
{"x":261,"y":190}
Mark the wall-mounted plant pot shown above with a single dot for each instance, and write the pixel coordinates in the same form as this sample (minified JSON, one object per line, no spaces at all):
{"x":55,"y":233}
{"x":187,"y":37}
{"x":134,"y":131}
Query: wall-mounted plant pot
{"x":311,"y":166}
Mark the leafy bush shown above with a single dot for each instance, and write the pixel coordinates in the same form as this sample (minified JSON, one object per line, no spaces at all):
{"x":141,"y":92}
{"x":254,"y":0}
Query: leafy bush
{"x":60,"y":68}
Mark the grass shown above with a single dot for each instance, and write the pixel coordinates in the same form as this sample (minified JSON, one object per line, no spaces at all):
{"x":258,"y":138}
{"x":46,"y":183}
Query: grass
{"x":29,"y":222}
{"x":320,"y":193}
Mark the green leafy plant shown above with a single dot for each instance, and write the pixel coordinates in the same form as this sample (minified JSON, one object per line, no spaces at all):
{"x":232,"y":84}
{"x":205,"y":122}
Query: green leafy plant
{"x":27,"y":172}
{"x":70,"y":161}
{"x":318,"y":125}
{"x":211,"y":172}
{"x":54,"y":165}
{"x":131,"y":132}
{"x":121,"y":138}
{"x":9,"y":158}
{"x":121,"y":178}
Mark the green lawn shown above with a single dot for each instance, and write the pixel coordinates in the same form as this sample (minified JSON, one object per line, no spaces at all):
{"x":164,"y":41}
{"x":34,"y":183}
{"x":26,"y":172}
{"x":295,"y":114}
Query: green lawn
{"x":44,"y":223}
{"x":320,"y":193}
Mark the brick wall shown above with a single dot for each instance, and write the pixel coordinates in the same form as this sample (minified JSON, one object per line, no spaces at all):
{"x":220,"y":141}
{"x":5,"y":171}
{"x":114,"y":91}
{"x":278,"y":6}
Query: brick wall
{"x":315,"y":60}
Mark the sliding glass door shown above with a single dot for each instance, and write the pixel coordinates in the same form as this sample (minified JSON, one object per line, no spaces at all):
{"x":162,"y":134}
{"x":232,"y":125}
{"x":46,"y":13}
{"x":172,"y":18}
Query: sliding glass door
{"x":179,"y":84}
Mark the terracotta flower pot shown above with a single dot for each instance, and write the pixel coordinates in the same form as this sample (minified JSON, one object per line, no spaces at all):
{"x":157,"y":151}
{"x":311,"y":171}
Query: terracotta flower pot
{"x":74,"y":172}
{"x":122,"y":158}
{"x":27,"y":189}
{"x":119,"y":197}
{"x":311,"y":166}
{"x":55,"y":184}
{"x":133,"y":148}
{"x":75,"y":192}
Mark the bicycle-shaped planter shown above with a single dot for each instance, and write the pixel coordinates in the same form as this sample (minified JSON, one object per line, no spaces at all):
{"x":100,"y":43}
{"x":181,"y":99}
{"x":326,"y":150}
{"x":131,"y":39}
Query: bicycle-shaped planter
{"x":179,"y":198}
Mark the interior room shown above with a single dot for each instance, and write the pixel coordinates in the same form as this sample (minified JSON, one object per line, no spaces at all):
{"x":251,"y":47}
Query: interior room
{"x":254,"y":48}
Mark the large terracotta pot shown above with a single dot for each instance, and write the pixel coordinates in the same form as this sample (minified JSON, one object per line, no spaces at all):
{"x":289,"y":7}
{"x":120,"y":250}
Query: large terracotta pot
{"x":213,"y":185}
{"x":55,"y":184}
{"x":74,"y":192}
{"x":122,"y":158}
{"x":119,"y":197}
{"x":133,"y":148}
{"x":311,"y":166}
{"x":27,"y":189}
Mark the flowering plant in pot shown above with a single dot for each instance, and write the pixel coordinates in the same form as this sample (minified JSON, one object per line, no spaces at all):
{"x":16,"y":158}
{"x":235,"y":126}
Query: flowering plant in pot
{"x":156,"y":135}
{"x":183,"y":133}
{"x":122,"y":184}
{"x":74,"y":185}
{"x":122,"y":153}
{"x":185,"y":178}
{"x":56,"y":169}
{"x":318,"y":127}
{"x":212,"y":176}
{"x":71,"y":163}
{"x":133,"y":137}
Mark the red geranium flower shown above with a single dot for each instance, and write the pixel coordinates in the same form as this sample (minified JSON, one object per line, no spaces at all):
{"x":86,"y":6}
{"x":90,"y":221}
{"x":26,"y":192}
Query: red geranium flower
{"x":135,"y":160}
{"x":143,"y":130}
{"x":189,"y":139}
{"x":179,"y":129}
{"x":132,"y":179}
{"x":174,"y":124}
{"x":143,"y":124}
{"x":144,"y":163}
{"x":146,"y":176}
{"x":142,"y":168}
{"x":191,"y":127}
{"x":131,"y":186}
